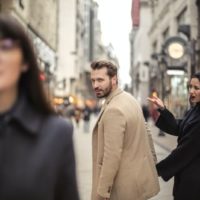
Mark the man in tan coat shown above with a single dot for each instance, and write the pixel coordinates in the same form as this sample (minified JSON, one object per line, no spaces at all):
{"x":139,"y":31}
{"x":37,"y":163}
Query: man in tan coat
{"x":123,"y":166}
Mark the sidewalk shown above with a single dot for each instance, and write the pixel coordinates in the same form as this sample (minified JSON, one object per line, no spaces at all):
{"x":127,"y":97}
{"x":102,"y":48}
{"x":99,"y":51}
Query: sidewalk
{"x":167,"y":142}
{"x":163,"y":145}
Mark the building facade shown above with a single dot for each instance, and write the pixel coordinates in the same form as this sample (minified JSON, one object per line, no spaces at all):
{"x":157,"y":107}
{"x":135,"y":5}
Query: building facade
{"x":66,"y":73}
{"x":167,"y":19}
{"x":140,"y":54}
{"x":40,"y":20}
{"x":79,"y":43}
{"x":160,"y":21}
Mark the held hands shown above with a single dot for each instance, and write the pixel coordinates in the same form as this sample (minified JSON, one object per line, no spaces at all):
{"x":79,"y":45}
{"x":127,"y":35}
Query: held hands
{"x":157,"y":102}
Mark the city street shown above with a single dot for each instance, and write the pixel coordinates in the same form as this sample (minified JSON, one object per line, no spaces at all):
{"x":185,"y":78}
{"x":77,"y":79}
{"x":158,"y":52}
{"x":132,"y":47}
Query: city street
{"x":83,"y":150}
{"x":61,"y":57}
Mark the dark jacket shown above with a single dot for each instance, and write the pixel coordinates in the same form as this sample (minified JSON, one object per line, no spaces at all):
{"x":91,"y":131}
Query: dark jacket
{"x":86,"y":114}
{"x":184,"y":162}
{"x":36,"y":156}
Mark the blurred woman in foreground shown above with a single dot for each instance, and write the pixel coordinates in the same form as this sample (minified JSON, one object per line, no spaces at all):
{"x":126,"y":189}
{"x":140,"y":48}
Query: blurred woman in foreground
{"x":184,"y":162}
{"x":36,"y":148}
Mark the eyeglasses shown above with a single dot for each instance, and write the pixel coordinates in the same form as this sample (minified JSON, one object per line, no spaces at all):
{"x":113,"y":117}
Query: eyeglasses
{"x":8,"y":44}
{"x":196,"y":88}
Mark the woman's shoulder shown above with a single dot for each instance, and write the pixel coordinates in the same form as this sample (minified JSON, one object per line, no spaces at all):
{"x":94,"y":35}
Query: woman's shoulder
{"x":56,"y":124}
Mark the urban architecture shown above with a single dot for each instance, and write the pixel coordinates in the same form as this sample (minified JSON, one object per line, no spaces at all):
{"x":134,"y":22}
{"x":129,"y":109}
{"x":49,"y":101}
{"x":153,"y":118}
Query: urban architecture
{"x":164,"y":51}
{"x":67,"y":72}
{"x":173,"y":19}
{"x":140,"y":54}
{"x":40,"y":20}
{"x":67,"y":38}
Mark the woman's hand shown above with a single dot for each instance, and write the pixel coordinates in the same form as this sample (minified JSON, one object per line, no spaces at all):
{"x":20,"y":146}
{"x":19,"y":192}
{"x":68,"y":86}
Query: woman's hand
{"x":157,"y":102}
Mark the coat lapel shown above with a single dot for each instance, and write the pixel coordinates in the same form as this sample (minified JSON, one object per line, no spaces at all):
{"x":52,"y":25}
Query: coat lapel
{"x":107,"y":101}
{"x":99,"y":116}
{"x":191,"y":118}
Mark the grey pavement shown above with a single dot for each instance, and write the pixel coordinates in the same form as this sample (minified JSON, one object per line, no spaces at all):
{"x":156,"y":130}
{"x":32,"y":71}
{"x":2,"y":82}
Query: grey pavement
{"x":83,"y":150}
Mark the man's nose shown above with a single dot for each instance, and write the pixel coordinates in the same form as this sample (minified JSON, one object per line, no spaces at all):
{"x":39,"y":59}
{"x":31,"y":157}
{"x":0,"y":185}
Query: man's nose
{"x":95,"y":85}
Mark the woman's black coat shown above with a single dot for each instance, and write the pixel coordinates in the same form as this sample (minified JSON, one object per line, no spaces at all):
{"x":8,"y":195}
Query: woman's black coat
{"x":184,"y":162}
{"x":36,"y":156}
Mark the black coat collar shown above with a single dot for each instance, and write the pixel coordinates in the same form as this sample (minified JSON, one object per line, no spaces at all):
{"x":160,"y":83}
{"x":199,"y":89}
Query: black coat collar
{"x":24,"y":114}
{"x":192,"y":117}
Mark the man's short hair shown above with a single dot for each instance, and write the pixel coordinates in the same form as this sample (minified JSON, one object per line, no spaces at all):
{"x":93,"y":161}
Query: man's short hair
{"x":112,"y":69}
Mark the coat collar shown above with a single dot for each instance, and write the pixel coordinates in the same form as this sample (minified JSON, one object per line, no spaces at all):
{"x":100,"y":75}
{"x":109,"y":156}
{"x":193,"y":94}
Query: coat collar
{"x":107,"y":101}
{"x":192,"y":117}
{"x":112,"y":95}
{"x":27,"y":116}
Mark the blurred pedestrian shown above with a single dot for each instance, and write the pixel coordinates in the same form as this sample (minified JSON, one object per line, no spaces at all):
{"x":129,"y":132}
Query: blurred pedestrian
{"x":69,"y":112}
{"x":146,"y":113}
{"x":184,"y":162}
{"x":123,"y":166}
{"x":36,"y":149}
{"x":77,"y":116}
{"x":86,"y":118}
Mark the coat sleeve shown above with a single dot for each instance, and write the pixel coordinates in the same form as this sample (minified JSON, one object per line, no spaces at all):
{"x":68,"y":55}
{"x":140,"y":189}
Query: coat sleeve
{"x":167,"y":123}
{"x":67,"y":184}
{"x":114,"y":128}
{"x":182,"y":156}
{"x":150,"y":140}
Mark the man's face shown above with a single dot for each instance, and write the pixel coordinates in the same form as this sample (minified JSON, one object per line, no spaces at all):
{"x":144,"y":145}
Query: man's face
{"x":102,"y":83}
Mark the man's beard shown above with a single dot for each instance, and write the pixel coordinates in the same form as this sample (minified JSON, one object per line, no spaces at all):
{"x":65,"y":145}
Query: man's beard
{"x":106,"y":92}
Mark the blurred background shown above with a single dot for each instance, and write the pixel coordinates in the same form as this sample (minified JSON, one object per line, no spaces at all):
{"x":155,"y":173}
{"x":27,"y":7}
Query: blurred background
{"x":155,"y":44}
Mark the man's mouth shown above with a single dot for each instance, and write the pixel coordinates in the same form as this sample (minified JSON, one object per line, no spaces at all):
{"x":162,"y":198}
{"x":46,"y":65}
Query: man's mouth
{"x":98,"y":91}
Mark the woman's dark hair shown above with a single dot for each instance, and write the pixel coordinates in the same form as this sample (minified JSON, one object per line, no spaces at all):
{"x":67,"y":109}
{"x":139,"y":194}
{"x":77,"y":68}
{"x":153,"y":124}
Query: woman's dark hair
{"x":30,"y":83}
{"x":196,"y":75}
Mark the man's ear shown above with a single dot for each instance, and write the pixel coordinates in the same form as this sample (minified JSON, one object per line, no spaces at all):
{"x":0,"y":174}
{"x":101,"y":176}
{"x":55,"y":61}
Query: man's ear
{"x":114,"y":80}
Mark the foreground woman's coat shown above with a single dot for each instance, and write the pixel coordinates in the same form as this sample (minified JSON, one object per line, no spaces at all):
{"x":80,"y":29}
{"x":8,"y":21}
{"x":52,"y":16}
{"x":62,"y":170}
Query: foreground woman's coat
{"x":184,"y":162}
{"x":123,"y":166}
{"x":36,"y":156}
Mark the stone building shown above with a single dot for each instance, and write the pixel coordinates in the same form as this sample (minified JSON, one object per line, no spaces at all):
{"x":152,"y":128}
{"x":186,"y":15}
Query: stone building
{"x":40,"y":20}
{"x":167,"y":19}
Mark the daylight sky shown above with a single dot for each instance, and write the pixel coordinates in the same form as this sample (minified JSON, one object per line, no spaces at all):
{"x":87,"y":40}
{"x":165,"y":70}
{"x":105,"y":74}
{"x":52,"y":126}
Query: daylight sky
{"x":115,"y":17}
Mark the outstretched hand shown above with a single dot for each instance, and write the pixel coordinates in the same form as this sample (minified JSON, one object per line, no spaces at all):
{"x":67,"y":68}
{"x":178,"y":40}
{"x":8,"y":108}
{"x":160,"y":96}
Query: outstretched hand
{"x":157,"y":102}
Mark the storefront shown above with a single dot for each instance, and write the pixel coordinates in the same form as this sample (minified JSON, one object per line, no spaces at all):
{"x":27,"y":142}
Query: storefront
{"x":47,"y":62}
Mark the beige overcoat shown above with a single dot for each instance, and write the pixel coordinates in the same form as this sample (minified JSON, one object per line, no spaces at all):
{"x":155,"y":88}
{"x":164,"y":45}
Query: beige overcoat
{"x":123,"y":166}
